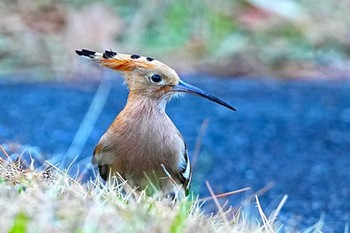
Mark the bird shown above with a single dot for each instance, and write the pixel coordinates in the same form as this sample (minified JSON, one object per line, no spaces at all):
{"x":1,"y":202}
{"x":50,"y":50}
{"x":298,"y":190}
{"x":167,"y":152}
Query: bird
{"x":143,"y":145}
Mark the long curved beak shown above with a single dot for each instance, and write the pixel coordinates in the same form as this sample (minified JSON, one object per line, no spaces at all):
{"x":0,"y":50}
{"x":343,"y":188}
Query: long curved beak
{"x":188,"y":88}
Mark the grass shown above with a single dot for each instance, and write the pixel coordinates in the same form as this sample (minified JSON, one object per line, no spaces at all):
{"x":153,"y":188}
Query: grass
{"x":51,"y":201}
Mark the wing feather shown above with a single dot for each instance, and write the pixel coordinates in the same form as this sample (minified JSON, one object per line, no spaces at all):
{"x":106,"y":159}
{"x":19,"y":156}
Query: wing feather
{"x":185,"y":170}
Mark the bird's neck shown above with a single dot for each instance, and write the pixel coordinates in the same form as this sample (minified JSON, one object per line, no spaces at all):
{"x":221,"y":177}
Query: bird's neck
{"x":143,"y":104}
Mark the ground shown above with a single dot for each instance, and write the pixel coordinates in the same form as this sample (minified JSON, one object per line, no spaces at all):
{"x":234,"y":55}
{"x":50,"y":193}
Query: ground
{"x":289,"y":136}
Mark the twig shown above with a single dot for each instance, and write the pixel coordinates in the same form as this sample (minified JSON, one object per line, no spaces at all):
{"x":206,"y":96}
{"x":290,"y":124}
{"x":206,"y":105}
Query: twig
{"x":83,"y":173}
{"x":4,"y":152}
{"x":346,"y":228}
{"x":267,"y":225}
{"x":168,"y":175}
{"x":221,"y":211}
{"x":63,"y":173}
{"x":198,"y":144}
{"x":258,"y":193}
{"x":126,"y":187}
{"x":150,"y":182}
{"x":177,"y":187}
{"x":276,"y":212}
{"x":225,"y":194}
{"x":317,"y":227}
{"x":89,"y":120}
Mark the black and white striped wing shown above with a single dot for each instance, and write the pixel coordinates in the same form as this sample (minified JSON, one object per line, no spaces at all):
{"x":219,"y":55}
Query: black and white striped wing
{"x":185,"y":172}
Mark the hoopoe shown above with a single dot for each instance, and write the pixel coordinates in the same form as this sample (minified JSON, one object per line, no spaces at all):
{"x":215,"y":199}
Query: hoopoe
{"x":142,"y":144}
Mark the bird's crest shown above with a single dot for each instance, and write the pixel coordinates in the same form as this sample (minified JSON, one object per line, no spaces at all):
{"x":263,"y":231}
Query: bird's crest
{"x":118,"y":61}
{"x":148,"y":77}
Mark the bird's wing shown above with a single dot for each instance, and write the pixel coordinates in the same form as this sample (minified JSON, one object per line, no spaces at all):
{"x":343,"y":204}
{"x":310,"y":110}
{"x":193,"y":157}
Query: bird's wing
{"x":184,"y":172}
{"x":104,"y":155}
{"x":96,"y":160}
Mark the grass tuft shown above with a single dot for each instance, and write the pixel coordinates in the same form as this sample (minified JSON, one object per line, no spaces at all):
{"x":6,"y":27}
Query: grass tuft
{"x":52,"y":201}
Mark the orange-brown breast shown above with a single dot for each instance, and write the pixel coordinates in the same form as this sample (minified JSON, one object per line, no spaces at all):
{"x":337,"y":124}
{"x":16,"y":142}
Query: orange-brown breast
{"x":139,"y":141}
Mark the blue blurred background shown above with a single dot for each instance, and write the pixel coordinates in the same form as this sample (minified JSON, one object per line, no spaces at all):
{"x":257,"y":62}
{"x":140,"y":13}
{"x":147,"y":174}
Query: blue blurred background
{"x":283,"y":64}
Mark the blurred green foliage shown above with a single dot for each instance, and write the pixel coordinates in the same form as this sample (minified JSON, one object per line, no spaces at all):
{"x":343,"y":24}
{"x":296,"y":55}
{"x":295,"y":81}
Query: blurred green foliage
{"x":20,"y":223}
{"x":242,"y":37}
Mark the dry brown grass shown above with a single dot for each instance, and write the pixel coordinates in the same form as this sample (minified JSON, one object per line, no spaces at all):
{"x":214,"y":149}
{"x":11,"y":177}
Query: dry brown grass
{"x":51,"y":201}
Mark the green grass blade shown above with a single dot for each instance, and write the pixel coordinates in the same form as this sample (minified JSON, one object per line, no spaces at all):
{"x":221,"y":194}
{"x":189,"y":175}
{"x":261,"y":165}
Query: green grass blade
{"x":178,"y":224}
{"x":20,"y":224}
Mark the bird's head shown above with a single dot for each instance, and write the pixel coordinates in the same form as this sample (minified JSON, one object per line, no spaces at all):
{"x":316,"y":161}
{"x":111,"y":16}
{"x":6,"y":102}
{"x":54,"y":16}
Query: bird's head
{"x":147,"y":76}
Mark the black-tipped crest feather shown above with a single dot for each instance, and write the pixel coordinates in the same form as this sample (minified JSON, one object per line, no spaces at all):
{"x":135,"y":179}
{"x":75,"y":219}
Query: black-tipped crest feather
{"x":86,"y":53}
{"x":109,"y":54}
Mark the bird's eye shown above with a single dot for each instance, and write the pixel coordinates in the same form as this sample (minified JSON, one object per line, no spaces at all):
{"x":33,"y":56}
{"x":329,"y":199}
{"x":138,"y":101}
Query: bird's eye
{"x":156,"y":78}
